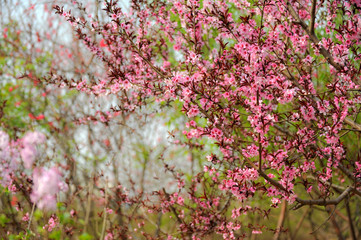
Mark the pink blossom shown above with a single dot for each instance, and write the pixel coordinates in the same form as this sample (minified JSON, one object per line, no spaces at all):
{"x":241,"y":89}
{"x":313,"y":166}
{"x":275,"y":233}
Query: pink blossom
{"x":52,"y":223}
{"x":72,"y":213}
{"x":215,"y":133}
{"x":109,"y":236}
{"x":47,"y":183}
{"x":28,"y":154}
{"x":4,"y":140}
{"x":32,"y":138}
{"x":194,"y":111}
{"x":26,"y":217}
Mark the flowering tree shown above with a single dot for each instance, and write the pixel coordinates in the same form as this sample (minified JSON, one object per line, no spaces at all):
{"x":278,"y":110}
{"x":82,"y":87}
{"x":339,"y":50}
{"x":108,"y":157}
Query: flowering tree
{"x":272,"y":85}
{"x":275,"y":84}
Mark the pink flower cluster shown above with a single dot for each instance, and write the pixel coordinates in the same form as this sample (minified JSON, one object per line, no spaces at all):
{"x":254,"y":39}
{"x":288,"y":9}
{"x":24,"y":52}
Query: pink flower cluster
{"x":28,"y":152}
{"x":52,"y":223}
{"x":47,"y":184}
{"x":241,"y":182}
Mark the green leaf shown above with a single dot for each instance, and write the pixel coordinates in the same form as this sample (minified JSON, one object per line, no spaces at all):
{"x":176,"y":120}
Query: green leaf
{"x":85,"y":236}
{"x":55,"y":235}
{"x":65,"y":218}
{"x":3,"y":220}
{"x":38,"y":214}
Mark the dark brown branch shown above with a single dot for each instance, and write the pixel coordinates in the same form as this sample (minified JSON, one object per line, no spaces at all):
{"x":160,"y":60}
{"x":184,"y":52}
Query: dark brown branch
{"x":350,"y":222}
{"x":323,"y":202}
{"x":313,"y":17}
{"x":272,"y":181}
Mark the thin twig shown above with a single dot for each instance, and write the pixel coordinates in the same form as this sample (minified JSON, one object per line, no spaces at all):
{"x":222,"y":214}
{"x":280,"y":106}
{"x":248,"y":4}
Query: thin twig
{"x":350,"y":221}
{"x":299,"y":224}
{"x":31,"y":215}
{"x":88,"y":206}
{"x":281,"y":220}
{"x":335,"y":224}
{"x":105,"y":210}
{"x":329,"y":217}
